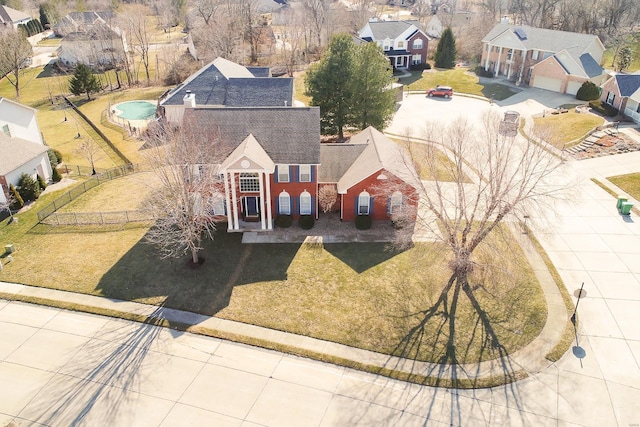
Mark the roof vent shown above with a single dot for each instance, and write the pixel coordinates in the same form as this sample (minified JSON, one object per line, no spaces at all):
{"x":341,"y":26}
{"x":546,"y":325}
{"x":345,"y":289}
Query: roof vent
{"x":285,"y":102}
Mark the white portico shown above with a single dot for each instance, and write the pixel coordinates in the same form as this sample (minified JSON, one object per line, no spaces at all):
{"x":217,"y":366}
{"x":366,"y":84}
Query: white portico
{"x":247,"y":185}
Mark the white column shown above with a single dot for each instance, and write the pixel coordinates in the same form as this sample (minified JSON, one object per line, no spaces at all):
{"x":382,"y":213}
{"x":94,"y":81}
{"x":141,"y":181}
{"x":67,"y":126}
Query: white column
{"x":498,"y":63}
{"x":234,"y":201}
{"x":524,"y":59}
{"x":268,"y":191}
{"x":486,"y":61}
{"x":227,"y":201}
{"x":261,"y":181}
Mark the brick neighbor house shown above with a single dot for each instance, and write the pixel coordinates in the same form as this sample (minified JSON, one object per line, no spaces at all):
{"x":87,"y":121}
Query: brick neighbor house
{"x":558,"y":61}
{"x":402,"y":41}
{"x":622,"y":91}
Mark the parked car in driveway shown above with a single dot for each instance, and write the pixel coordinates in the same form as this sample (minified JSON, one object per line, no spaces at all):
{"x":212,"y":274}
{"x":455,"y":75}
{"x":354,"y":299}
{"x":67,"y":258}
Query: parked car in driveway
{"x":445,"y":91}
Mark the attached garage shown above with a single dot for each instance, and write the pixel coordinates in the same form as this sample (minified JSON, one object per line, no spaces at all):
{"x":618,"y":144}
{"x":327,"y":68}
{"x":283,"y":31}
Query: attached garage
{"x":542,"y":82}
{"x":572,"y":87}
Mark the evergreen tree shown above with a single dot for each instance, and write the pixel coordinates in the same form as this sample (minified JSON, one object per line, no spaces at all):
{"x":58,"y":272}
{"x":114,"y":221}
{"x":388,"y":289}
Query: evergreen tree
{"x":55,"y":176}
{"x":328,"y":83}
{"x":352,"y":86}
{"x":16,"y":199}
{"x":445,"y":56}
{"x":373,"y":97}
{"x":84,"y":81}
{"x":625,"y":57}
{"x":41,"y":183}
{"x":588,"y":91}
{"x":28,"y":188}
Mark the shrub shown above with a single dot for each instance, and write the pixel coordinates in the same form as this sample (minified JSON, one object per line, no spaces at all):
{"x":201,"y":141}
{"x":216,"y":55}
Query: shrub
{"x":283,"y":221}
{"x":481,"y":72}
{"x":604,"y":109}
{"x":588,"y":91}
{"x":55,"y":157}
{"x":425,"y":66}
{"x":16,"y":199}
{"x":306,"y":222}
{"x":41,"y":183}
{"x":56,"y":177}
{"x":28,"y":188}
{"x":363,"y":222}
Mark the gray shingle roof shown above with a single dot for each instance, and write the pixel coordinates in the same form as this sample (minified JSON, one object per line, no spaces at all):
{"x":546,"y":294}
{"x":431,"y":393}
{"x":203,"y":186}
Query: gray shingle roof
{"x":288,"y":135}
{"x":9,"y":15}
{"x":389,"y":29}
{"x":628,"y":83}
{"x":336,"y":159}
{"x":224,"y":83}
{"x":546,"y":40}
{"x":591,"y":67}
{"x":15,"y":152}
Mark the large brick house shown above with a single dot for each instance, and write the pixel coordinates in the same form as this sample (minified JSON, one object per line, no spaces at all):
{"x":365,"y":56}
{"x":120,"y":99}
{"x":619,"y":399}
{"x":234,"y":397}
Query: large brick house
{"x":271,"y":163}
{"x":558,"y":61}
{"x":402,"y":41}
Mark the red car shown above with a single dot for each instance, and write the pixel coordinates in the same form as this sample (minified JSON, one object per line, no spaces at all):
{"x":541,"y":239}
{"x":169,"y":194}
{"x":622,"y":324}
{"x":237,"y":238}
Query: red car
{"x":445,"y":91}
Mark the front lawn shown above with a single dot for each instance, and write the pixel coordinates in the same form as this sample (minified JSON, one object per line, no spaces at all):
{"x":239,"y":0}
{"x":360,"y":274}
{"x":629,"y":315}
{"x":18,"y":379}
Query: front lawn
{"x":460,"y":80}
{"x":630,"y":183}
{"x":362,"y":295}
{"x":633,"y":41}
{"x":561,"y":129}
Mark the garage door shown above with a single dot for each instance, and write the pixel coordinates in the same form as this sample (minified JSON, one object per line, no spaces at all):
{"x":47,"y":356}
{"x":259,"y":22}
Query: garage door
{"x":572,"y":87}
{"x":547,"y":83}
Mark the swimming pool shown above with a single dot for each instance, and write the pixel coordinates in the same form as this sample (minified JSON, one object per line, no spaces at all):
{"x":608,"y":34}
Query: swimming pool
{"x":136,"y":110}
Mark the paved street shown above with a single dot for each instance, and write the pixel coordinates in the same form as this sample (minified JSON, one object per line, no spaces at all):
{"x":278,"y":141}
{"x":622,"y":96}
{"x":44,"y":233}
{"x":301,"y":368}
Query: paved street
{"x":61,"y":368}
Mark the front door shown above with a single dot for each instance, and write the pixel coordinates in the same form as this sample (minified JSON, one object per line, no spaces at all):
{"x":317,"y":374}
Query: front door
{"x":251,"y":208}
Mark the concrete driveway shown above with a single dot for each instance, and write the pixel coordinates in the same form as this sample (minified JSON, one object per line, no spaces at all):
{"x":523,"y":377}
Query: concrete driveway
{"x":42,"y":55}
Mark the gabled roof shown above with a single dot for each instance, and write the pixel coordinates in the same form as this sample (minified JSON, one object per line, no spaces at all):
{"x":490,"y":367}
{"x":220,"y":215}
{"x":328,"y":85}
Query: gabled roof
{"x":382,"y":30}
{"x":225,"y":83}
{"x":367,"y":153}
{"x":288,"y":135}
{"x":544,"y":39}
{"x":9,"y":15}
{"x":628,"y":84}
{"x":20,"y":119}
{"x":251,"y":149}
{"x":15,"y":152}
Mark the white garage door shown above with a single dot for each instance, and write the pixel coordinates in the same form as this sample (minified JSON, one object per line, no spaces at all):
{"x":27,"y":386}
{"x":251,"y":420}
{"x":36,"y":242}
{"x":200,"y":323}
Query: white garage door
{"x":572,"y":87}
{"x":547,"y":83}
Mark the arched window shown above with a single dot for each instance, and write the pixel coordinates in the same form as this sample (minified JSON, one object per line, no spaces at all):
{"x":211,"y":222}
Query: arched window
{"x":305,"y":203}
{"x":395,"y":202}
{"x":363,"y":203}
{"x":284,"y":203}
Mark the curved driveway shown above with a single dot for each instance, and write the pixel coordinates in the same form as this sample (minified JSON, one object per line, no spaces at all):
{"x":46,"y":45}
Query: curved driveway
{"x":62,"y":368}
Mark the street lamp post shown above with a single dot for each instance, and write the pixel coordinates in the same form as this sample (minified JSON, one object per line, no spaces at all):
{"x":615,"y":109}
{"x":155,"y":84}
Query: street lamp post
{"x":573,"y":316}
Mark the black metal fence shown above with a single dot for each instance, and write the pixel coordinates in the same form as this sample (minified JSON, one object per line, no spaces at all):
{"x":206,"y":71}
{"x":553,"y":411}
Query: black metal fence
{"x":82,"y":188}
{"x":97,"y":218}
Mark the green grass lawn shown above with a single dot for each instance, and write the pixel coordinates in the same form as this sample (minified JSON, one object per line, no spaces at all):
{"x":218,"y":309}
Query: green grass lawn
{"x":561,"y":129}
{"x":55,"y":41}
{"x":459,"y":79}
{"x":634,"y":44}
{"x":630,"y":183}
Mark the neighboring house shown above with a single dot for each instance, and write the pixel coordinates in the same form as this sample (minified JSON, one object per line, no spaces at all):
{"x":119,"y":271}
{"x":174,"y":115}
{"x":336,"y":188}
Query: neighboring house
{"x":558,"y":61}
{"x":402,"y":41}
{"x":371,"y":175}
{"x":22,"y":149}
{"x":622,"y":91}
{"x":98,"y":46}
{"x":271,"y":160}
{"x":80,"y":22}
{"x":223,"y":83}
{"x":12,"y":18}
{"x":434,"y":27}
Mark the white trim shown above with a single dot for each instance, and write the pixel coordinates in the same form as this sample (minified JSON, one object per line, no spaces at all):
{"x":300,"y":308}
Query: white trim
{"x":308,"y":167}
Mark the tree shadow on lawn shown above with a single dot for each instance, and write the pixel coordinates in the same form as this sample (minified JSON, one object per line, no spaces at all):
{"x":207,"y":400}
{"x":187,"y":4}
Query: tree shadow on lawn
{"x":362,"y":256}
{"x":141,"y":275}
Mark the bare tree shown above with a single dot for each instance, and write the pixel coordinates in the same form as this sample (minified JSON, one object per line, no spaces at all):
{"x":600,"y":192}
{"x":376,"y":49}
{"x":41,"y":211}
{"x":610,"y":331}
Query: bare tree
{"x":186,"y":167}
{"x":90,"y":151}
{"x":206,"y":9}
{"x":511,"y":179}
{"x":327,"y":197}
{"x":6,"y":206}
{"x":139,"y":35}
{"x":14,"y":55}
{"x":316,"y":11}
{"x":490,"y":179}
